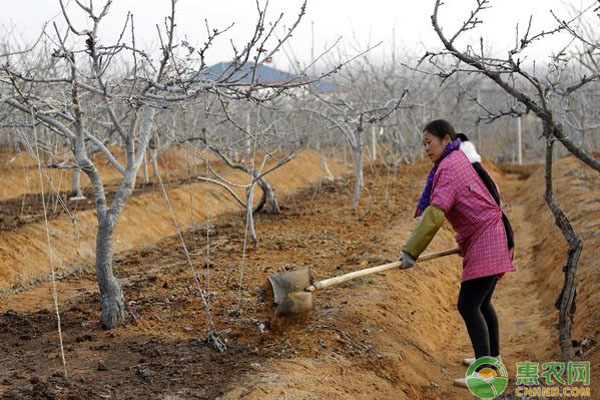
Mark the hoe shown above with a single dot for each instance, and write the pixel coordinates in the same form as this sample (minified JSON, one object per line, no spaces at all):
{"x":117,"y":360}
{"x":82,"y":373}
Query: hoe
{"x":293,"y":290}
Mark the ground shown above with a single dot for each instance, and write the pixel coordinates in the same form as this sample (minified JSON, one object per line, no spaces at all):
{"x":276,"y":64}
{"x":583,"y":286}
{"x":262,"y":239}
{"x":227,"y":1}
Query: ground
{"x":395,"y":335}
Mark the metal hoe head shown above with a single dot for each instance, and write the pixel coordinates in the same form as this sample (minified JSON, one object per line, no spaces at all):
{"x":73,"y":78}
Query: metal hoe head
{"x":289,"y":292}
{"x":292,"y":291}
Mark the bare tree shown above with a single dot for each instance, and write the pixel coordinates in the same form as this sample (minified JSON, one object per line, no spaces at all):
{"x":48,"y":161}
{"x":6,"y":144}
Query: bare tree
{"x":356,"y":104}
{"x":541,"y":96}
{"x":120,"y":91}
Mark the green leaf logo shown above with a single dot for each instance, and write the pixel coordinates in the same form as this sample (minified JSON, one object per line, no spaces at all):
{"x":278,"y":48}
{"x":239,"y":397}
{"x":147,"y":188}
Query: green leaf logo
{"x":487,"y":383}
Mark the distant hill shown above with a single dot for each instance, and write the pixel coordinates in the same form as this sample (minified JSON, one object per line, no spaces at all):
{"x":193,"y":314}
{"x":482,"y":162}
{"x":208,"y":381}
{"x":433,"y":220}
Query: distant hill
{"x":264,"y":74}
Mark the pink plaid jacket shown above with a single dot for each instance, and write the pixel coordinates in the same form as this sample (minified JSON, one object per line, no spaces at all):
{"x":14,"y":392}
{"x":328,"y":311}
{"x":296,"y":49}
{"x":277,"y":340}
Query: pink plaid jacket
{"x":476,"y":218}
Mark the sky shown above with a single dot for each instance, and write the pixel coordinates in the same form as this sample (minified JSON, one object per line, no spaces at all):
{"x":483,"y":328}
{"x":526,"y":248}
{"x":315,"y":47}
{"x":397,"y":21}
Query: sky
{"x":401,"y":25}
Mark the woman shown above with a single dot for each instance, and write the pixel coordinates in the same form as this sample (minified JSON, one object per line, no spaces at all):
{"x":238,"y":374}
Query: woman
{"x":458,"y":188}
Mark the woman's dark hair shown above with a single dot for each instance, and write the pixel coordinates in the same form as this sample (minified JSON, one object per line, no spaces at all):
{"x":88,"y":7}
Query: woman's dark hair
{"x":462,"y":137}
{"x":440,"y":128}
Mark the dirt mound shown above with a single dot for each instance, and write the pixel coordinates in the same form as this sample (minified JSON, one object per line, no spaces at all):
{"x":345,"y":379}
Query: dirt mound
{"x":417,"y":321}
{"x":145,"y":219}
{"x":20,"y":174}
{"x":508,"y":171}
{"x":577,"y":191}
{"x":396,"y":335}
{"x":366,"y":337}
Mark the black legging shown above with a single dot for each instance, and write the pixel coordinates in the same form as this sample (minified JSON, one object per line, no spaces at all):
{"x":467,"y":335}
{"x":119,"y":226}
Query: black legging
{"x":475,"y":306}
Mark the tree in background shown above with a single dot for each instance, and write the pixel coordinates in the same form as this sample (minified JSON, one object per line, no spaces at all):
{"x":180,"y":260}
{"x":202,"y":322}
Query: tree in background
{"x":543,"y":92}
{"x":92,"y":95}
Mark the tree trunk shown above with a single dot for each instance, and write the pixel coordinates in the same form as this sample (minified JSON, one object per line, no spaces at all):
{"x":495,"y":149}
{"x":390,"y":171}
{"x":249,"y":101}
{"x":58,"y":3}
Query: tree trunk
{"x":154,"y":158}
{"x":374,"y":142}
{"x":113,"y":302}
{"x":111,"y":294}
{"x":249,"y":215}
{"x":582,"y":121}
{"x":76,"y":193}
{"x":358,"y":162}
{"x":145,"y":169}
{"x":153,"y":146}
{"x":565,"y":302}
{"x":271,"y":200}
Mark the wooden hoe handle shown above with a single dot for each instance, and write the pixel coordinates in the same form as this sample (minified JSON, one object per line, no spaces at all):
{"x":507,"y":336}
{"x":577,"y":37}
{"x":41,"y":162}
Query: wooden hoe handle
{"x":373,"y":270}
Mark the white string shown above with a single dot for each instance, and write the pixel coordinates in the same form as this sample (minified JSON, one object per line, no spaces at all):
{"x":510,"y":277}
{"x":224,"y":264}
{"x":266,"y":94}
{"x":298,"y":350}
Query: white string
{"x":52,"y":190}
{"x":54,"y":291}
{"x":249,"y":203}
{"x":207,"y":205}
{"x":217,"y":343}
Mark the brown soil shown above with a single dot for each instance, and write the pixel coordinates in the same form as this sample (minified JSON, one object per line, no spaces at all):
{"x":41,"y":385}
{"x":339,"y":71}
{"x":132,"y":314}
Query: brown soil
{"x":395,"y":336}
{"x":20,"y":175}
{"x":145,"y":219}
{"x":29,"y":208}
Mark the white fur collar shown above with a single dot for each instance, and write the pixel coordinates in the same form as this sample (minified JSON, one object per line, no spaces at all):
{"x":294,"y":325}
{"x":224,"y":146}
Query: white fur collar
{"x":468,"y":148}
